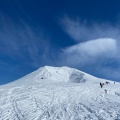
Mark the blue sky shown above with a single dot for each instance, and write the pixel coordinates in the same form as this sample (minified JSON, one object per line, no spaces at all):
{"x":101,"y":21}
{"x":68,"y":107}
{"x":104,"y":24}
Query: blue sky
{"x":83,"y":34}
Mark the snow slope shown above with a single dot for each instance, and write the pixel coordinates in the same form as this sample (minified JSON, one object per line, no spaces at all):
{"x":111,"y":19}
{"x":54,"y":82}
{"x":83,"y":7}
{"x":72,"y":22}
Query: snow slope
{"x":59,"y":93}
{"x":58,"y":74}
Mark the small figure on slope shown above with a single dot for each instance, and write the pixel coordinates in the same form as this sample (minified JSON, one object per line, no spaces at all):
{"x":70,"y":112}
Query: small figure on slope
{"x":105,"y":91}
{"x":101,"y":85}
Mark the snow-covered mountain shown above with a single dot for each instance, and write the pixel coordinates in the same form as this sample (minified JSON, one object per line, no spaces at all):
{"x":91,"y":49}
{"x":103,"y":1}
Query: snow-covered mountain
{"x":59,"y":93}
{"x":64,"y":74}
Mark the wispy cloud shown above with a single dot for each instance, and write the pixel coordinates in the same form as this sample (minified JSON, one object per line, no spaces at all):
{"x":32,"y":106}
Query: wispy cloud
{"x":96,"y":50}
{"x":19,"y":40}
{"x":82,"y":30}
{"x":88,"y":52}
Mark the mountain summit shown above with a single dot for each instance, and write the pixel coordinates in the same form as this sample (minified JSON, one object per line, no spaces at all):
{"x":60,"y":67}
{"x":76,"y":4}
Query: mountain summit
{"x":60,"y":93}
{"x":64,"y":74}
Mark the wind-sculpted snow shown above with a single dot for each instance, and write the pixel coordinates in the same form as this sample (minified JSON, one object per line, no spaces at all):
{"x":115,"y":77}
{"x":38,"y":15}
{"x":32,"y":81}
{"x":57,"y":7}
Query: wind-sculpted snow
{"x":57,"y":74}
{"x":66,"y":100}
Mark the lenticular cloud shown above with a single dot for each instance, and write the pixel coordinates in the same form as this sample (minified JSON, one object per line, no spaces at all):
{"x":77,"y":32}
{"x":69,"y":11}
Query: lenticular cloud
{"x":94,"y":47}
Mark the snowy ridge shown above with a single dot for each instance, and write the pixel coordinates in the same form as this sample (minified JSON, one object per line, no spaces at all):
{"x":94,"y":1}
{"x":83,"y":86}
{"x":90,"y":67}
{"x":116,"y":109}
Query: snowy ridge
{"x":58,"y":74}
{"x":59,"y":93}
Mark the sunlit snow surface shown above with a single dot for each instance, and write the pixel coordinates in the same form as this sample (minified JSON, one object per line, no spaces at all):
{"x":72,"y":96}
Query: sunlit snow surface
{"x":59,"y":93}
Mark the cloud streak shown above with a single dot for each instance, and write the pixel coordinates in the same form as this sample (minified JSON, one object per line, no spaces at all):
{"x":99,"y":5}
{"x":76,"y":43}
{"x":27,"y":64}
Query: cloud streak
{"x":89,"y":52}
{"x":20,"y":41}
{"x":96,"y":50}
{"x":82,"y":30}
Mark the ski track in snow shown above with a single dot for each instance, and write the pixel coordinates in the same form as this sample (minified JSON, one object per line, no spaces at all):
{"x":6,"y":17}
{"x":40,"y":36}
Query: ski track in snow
{"x":59,"y":100}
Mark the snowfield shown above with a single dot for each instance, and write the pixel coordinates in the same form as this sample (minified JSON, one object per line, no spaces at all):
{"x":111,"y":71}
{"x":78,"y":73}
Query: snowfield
{"x":59,"y":93}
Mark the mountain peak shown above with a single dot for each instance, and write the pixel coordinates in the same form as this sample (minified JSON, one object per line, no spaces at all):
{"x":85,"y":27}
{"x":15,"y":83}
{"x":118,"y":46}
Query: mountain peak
{"x":49,"y":74}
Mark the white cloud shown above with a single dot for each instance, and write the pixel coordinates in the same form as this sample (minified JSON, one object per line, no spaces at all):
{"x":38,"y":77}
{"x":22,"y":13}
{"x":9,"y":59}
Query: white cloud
{"x":94,"y":41}
{"x":96,"y":47}
{"x":89,"y":52}
{"x":82,"y":30}
{"x":74,"y":28}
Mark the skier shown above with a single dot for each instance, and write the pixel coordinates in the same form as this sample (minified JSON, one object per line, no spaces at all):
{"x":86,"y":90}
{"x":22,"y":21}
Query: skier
{"x":100,"y":84}
{"x":105,"y":91}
